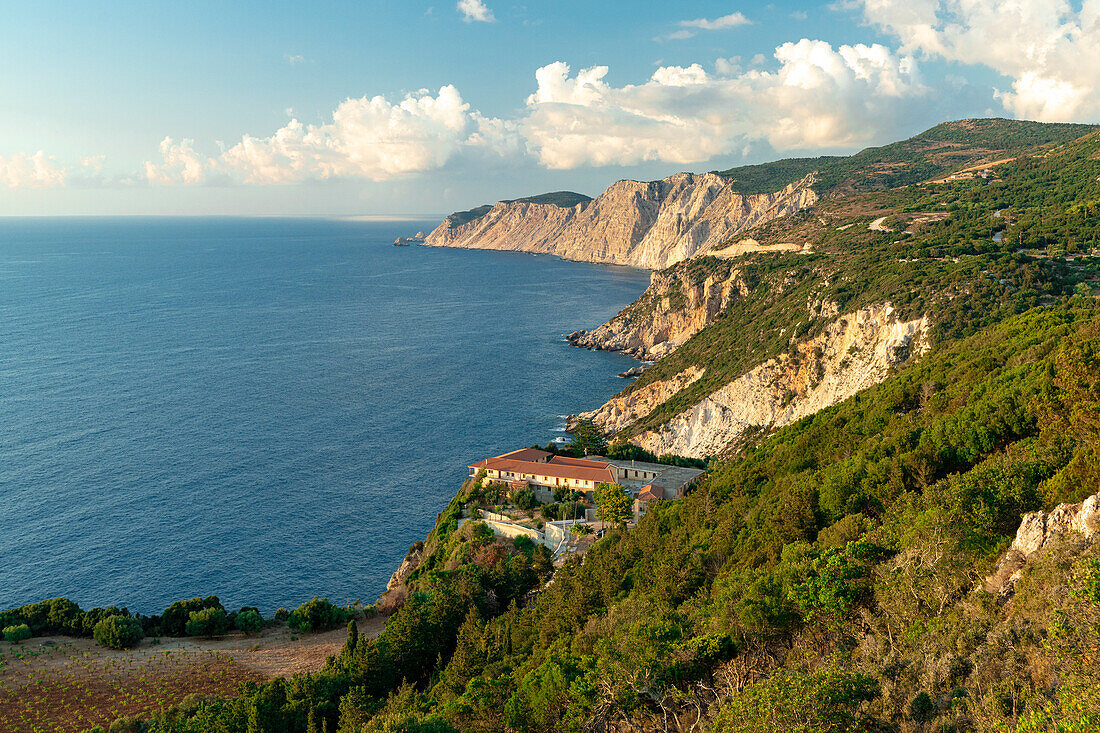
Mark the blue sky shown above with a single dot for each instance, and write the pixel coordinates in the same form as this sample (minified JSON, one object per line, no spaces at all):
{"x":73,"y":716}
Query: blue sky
{"x":418,"y":108}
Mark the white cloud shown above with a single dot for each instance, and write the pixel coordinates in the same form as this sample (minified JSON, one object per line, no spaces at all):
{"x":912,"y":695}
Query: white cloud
{"x":688,"y":28}
{"x":180,"y":164}
{"x":368,"y":137}
{"x":726,"y":21}
{"x":814,"y":95}
{"x":295,"y":59}
{"x":475,"y":11}
{"x":31,"y":171}
{"x":1050,"y":49}
{"x":820,"y":96}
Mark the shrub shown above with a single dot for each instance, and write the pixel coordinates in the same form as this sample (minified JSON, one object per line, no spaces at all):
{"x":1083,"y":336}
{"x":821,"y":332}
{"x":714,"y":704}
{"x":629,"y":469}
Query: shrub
{"x":318,"y":615}
{"x":281,"y":615}
{"x":524,"y":499}
{"x":14,"y":634}
{"x":207,"y":622}
{"x":175,"y":618}
{"x":117,"y":632}
{"x":249,"y":621}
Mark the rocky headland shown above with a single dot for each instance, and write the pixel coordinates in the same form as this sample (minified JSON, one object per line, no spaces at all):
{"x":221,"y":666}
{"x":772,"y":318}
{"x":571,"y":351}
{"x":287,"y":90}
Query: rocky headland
{"x":641,"y":224}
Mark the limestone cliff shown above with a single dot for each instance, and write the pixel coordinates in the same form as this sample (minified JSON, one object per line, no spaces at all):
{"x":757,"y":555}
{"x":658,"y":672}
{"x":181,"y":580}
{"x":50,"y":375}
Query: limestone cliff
{"x":678,"y":303}
{"x":856,"y":351}
{"x":642,"y":224}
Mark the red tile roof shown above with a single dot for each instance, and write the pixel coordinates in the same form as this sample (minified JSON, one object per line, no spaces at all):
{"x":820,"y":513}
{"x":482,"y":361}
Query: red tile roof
{"x":649,"y":492}
{"x":582,"y":462}
{"x":590,"y":471}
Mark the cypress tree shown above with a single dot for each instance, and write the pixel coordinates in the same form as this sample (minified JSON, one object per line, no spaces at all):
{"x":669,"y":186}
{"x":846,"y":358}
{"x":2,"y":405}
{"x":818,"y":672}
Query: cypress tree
{"x":353,"y":639}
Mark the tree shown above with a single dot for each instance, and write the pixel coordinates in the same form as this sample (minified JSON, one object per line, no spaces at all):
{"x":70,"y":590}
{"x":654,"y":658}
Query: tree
{"x":353,"y":639}
{"x":207,"y":622}
{"x":249,"y":620}
{"x":118,"y":632}
{"x":524,"y":499}
{"x":587,"y":439}
{"x":613,"y":503}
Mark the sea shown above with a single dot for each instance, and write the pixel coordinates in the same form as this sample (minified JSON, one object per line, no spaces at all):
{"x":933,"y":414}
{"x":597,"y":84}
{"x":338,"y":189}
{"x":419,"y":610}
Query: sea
{"x":266,"y":410}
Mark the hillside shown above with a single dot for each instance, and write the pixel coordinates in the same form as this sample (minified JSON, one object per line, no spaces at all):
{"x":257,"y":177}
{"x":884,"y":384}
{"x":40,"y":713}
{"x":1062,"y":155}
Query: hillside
{"x":797,"y":331}
{"x":848,"y":573}
{"x":659,"y":223}
{"x":896,"y":390}
{"x":945,"y":147}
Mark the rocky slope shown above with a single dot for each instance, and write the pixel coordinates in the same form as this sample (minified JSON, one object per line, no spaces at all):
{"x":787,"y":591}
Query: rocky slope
{"x":1039,"y":531}
{"x":642,"y":224}
{"x":856,"y":351}
{"x":678,"y":303}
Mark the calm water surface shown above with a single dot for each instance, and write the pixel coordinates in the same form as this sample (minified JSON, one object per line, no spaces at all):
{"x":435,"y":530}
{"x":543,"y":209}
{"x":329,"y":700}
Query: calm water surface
{"x":266,"y":410}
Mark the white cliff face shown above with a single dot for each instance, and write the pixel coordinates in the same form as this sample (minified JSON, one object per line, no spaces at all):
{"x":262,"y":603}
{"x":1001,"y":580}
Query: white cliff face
{"x":1037,"y":532}
{"x":642,"y":224}
{"x":624,"y":410}
{"x":674,"y":307}
{"x":857,"y":351}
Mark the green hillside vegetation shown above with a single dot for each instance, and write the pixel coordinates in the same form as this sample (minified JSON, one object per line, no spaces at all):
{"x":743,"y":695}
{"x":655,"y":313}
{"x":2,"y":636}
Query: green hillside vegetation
{"x":952,"y":270}
{"x":832,"y":575}
{"x":946,"y":147}
{"x":827,"y":579}
{"x":564,"y":199}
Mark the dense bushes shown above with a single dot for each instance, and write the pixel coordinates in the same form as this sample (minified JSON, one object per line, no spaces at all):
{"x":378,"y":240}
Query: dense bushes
{"x":16,"y":634}
{"x":249,"y":621}
{"x":210,"y":621}
{"x":318,"y":615}
{"x":118,"y":632}
{"x":175,"y":618}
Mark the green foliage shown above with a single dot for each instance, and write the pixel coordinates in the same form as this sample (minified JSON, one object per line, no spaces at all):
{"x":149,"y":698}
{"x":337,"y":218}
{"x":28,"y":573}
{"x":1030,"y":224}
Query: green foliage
{"x":207,"y":622}
{"x":613,"y":503}
{"x":829,"y":700}
{"x":318,"y":614}
{"x":118,"y":632}
{"x":524,"y":499}
{"x":587,"y":440}
{"x":836,"y":579}
{"x":16,"y":634}
{"x":249,"y":621}
{"x":175,"y":618}
{"x":564,"y":199}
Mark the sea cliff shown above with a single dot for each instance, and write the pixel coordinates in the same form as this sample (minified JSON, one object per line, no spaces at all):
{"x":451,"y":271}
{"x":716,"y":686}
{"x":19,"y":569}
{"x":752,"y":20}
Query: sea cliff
{"x":641,"y":224}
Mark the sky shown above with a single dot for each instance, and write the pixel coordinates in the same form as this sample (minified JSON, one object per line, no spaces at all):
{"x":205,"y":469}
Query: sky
{"x":403,"y":108}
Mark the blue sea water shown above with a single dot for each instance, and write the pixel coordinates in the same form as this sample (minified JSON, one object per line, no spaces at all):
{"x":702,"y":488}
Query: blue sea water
{"x":266,"y":410}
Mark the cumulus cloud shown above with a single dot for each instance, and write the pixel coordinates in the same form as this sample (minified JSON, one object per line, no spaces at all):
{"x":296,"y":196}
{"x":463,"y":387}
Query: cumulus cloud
{"x":179,"y":164}
{"x":812,"y":95}
{"x":1050,"y":49}
{"x":819,"y":97}
{"x":475,"y":11}
{"x":368,"y":137}
{"x":31,"y":171}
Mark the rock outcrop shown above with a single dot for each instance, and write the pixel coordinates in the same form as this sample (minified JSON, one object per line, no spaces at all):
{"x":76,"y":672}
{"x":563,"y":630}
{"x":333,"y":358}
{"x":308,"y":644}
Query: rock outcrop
{"x":393,"y":598}
{"x":678,"y":303}
{"x":642,"y":224}
{"x":622,"y":411}
{"x":1039,"y":531}
{"x":856,"y":351}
